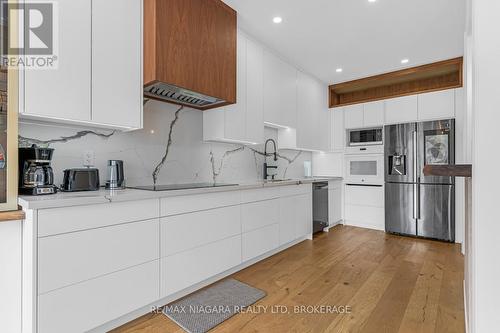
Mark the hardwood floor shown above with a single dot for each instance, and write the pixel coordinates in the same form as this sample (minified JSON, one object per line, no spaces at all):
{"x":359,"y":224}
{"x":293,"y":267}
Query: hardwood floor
{"x":391,"y":283}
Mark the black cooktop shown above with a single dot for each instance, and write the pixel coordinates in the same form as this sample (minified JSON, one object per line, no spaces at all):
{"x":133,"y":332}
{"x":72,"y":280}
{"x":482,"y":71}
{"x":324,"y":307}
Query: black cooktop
{"x":173,"y":187}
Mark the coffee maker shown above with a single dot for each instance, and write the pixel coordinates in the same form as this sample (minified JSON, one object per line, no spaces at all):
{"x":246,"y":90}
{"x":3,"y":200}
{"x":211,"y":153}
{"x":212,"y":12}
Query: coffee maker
{"x":35,"y":173}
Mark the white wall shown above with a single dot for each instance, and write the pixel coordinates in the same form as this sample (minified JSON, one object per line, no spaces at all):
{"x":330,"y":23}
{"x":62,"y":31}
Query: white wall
{"x":10,"y":276}
{"x":485,"y":304}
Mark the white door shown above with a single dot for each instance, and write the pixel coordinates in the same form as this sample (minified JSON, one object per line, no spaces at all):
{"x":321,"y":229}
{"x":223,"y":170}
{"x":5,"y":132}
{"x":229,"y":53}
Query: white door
{"x":373,"y":114}
{"x":64,"y":92}
{"x":354,"y":116}
{"x":436,"y":105}
{"x":255,"y":93}
{"x":401,"y":110}
{"x":117,"y":62}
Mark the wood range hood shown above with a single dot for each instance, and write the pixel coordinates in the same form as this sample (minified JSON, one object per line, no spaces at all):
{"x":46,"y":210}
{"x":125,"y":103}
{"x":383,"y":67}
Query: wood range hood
{"x":190,"y":52}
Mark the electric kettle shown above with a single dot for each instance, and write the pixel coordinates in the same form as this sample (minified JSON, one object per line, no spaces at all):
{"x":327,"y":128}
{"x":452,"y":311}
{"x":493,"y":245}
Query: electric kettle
{"x":116,"y":179}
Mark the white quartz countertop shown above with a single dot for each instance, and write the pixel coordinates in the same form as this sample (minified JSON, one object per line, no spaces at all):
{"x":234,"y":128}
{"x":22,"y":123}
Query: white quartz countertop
{"x":68,"y":199}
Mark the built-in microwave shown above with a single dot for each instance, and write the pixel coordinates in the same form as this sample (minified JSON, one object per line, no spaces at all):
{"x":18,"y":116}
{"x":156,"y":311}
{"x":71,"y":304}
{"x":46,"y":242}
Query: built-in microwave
{"x":365,"y":137}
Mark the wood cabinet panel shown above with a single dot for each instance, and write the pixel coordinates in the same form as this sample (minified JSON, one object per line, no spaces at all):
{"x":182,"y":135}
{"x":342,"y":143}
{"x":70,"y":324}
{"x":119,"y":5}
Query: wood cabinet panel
{"x":192,"y":44}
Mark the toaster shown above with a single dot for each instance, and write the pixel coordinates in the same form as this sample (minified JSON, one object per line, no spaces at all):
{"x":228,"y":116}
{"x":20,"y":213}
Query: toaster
{"x":75,"y":180}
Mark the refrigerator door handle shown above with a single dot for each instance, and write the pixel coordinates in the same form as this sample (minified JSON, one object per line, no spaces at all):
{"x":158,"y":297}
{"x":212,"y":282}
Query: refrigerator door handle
{"x":416,"y":195}
{"x":416,"y":200}
{"x":415,"y":156}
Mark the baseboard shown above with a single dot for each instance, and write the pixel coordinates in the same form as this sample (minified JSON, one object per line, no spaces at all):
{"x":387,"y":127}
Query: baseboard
{"x":364,"y":225}
{"x":149,"y":308}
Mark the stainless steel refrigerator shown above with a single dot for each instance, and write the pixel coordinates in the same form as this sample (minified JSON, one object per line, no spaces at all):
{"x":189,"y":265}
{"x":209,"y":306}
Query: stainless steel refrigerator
{"x":415,"y":204}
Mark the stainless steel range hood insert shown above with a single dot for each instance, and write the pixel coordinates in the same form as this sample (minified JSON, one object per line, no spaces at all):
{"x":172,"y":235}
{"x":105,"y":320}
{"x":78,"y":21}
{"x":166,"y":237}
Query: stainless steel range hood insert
{"x":170,"y":93}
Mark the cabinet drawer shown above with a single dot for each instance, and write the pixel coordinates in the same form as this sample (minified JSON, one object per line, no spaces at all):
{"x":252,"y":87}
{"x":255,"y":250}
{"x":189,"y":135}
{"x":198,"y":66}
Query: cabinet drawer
{"x":260,"y":194}
{"x":187,"y":231}
{"x":366,"y":217}
{"x":372,"y":196}
{"x":259,"y":241}
{"x":259,"y":214}
{"x":89,"y":304}
{"x":194,"y":203}
{"x":61,"y":220}
{"x":185,"y":269}
{"x":74,"y":257}
{"x":291,"y":190}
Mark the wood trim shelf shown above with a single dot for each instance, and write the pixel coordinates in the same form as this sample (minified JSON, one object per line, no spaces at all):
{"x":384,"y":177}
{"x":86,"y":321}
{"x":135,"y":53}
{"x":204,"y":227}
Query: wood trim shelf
{"x":447,"y":74}
{"x":458,"y":170}
{"x":13,"y":215}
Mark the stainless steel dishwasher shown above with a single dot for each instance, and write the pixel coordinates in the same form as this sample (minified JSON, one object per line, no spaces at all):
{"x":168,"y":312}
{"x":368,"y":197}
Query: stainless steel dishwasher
{"x":320,"y":206}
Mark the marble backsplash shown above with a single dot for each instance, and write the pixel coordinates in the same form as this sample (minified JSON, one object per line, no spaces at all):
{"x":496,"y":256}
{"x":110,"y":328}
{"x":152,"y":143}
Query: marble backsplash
{"x":169,"y":148}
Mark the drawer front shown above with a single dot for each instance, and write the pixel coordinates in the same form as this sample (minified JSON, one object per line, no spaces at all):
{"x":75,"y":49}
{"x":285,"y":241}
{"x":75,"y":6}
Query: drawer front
{"x":260,"y":241}
{"x":260,"y":194}
{"x":187,"y":231}
{"x":256,"y":215}
{"x":198,"y":202}
{"x":89,"y":304}
{"x":367,"y":217}
{"x":304,"y":215}
{"x":365,"y":195}
{"x":70,"y":258}
{"x":292,"y":190}
{"x":61,"y":220}
{"x":182,"y":270}
{"x":288,"y":220}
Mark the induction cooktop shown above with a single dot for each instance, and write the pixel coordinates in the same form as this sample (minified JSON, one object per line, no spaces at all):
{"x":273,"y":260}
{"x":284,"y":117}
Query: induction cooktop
{"x":173,"y":187}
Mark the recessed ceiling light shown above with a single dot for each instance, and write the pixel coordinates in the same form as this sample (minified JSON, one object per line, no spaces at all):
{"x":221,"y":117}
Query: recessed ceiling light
{"x":277,"y":19}
{"x":372,"y":0}
{"x":405,"y":61}
{"x":339,"y":70}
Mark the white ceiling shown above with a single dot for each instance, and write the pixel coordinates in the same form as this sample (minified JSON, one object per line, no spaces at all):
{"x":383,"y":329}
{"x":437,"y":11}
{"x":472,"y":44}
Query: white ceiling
{"x":361,"y":37}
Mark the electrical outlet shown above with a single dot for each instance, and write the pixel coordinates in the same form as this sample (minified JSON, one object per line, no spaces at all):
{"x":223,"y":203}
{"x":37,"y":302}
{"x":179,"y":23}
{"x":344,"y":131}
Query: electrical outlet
{"x":88,"y":158}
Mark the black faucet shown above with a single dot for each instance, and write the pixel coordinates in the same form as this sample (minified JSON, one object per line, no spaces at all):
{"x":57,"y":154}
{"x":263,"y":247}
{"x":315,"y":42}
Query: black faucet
{"x":267,"y":167}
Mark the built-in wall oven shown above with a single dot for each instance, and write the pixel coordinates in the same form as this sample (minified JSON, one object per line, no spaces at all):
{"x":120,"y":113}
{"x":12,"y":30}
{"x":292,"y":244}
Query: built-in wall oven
{"x":364,"y":169}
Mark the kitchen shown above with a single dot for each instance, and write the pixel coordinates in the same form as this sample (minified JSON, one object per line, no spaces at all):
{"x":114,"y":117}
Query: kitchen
{"x":216,"y":153}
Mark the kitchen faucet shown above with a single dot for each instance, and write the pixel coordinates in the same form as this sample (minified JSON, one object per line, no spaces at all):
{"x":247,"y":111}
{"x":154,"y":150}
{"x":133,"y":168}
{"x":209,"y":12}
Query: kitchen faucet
{"x":266,"y":166}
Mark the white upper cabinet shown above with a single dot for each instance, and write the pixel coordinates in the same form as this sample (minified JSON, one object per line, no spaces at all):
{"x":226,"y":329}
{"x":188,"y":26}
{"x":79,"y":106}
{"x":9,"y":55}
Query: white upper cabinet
{"x":373,"y":114}
{"x":117,"y":62}
{"x":64,"y":92}
{"x":98,"y":81}
{"x":436,"y":105}
{"x":313,"y":128}
{"x":255,"y":93}
{"x":280,"y":91}
{"x":338,"y":133}
{"x":401,"y":110}
{"x":364,"y":115}
{"x":242,"y":122}
{"x":354,"y":116}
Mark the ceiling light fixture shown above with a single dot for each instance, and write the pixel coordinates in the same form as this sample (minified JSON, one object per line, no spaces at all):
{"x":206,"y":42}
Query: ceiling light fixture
{"x":405,"y":61}
{"x":372,"y":0}
{"x":277,"y":20}
{"x":339,"y":70}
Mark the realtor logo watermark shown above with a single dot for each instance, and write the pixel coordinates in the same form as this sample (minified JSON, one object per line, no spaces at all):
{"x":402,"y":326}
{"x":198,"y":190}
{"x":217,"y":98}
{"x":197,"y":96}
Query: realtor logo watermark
{"x":30,"y":34}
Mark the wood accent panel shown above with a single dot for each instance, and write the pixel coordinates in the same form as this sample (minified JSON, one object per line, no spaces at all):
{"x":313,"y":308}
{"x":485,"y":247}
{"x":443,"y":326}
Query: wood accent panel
{"x":13,"y":215}
{"x":392,"y":283}
{"x":459,"y":170}
{"x":441,"y":75}
{"x":191,"y":44}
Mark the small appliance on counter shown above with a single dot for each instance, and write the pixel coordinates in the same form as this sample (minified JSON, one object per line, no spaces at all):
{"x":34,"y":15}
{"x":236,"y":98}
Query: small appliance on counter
{"x":35,"y":173}
{"x":116,"y":178}
{"x":75,"y":180}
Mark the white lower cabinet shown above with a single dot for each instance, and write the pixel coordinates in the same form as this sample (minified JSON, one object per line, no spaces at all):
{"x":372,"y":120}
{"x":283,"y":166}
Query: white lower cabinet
{"x":364,"y":206}
{"x":84,"y":306}
{"x":98,"y":263}
{"x":185,"y":269}
{"x":260,"y":241}
{"x":335,"y":202}
{"x":70,"y":258}
{"x":183,"y":232}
